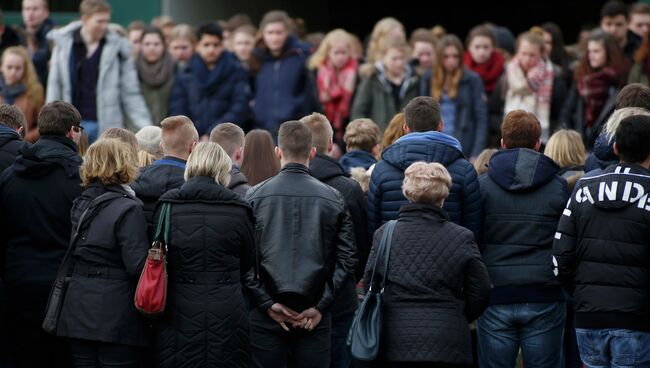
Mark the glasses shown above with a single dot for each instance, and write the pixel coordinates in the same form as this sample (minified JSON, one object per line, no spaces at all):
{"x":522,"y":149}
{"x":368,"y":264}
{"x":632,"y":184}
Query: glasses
{"x":77,"y":128}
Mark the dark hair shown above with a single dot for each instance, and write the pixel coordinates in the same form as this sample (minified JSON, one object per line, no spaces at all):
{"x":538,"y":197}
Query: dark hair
{"x":613,"y":8}
{"x":12,"y":116}
{"x":520,"y":129}
{"x":632,"y":137}
{"x":153,"y":30}
{"x":614,"y":60}
{"x":136,"y":25}
{"x":558,"y":55}
{"x":422,"y":114}
{"x":259,"y":162}
{"x":422,"y":35}
{"x":295,"y":140}
{"x":56,"y":118}
{"x":480,"y":31}
{"x":211,"y":29}
{"x":639,"y":8}
{"x":634,"y":95}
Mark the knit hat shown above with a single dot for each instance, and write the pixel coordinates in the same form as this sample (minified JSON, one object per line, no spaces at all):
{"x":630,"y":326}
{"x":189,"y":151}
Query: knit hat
{"x":149,"y":140}
{"x":505,"y":39}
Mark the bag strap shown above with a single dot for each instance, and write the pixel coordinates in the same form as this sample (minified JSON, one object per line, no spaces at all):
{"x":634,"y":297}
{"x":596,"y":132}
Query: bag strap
{"x":162,"y":227}
{"x":383,"y":254}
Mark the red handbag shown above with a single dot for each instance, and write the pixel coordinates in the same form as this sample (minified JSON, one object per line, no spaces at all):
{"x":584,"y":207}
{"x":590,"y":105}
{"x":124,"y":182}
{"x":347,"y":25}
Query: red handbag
{"x":151,"y":293}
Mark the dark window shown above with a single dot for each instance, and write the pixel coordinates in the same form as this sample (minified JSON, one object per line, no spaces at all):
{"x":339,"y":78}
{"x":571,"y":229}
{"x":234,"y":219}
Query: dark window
{"x":67,"y":6}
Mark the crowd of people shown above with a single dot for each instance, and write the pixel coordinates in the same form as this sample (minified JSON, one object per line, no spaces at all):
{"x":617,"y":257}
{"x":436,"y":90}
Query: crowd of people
{"x":518,"y":170}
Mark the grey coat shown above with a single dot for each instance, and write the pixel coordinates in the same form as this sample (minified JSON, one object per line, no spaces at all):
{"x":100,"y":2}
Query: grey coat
{"x":118,"y":89}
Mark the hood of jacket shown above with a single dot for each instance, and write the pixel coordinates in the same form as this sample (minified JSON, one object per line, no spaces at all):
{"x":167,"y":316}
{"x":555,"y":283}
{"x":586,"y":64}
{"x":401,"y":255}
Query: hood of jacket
{"x":158,"y":179}
{"x":293,"y":46}
{"x":616,"y":188}
{"x":521,"y":169}
{"x":357,"y":158}
{"x":7,"y":135}
{"x":325,"y":168}
{"x":46,"y":155}
{"x":429,"y":146}
{"x":604,"y":151}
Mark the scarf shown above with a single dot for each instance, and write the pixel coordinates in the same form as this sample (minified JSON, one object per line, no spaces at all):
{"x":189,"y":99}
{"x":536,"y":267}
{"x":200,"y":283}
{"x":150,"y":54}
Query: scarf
{"x":10,"y":94}
{"x":490,"y":71}
{"x":531,"y":91}
{"x":335,"y":90}
{"x":594,"y":90}
{"x":156,"y":74}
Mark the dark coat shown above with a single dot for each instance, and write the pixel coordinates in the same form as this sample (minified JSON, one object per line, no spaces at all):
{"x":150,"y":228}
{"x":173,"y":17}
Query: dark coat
{"x":601,"y":249}
{"x":211,"y":97}
{"x":206,"y":321}
{"x":283,"y":89}
{"x":522,"y":199}
{"x":385,"y":194}
{"x":471,"y":128}
{"x":40,"y":56}
{"x":603,"y":154}
{"x":572,"y":115}
{"x":357,"y":158}
{"x":436,"y":285}
{"x":110,"y":253}
{"x":10,"y":143}
{"x":327,"y":170}
{"x":238,"y":181}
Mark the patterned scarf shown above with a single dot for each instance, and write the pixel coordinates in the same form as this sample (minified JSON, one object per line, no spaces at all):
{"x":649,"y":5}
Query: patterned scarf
{"x":594,"y":90}
{"x":490,"y":71}
{"x":335,"y":90}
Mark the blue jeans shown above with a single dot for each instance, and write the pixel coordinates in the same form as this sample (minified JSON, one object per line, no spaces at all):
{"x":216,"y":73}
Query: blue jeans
{"x":600,"y":348}
{"x":91,"y":128}
{"x":536,"y":328}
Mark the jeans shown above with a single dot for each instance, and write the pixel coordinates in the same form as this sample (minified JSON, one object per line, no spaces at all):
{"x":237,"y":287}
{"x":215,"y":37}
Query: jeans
{"x":600,"y":348}
{"x":91,"y":128}
{"x":273,"y":347}
{"x":340,"y":354}
{"x":96,"y":354}
{"x":536,"y":328}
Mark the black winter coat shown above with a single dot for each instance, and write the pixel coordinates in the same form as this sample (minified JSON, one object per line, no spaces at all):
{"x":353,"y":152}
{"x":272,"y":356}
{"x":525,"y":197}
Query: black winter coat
{"x":238,"y":181}
{"x":211,"y":251}
{"x":10,"y":143}
{"x":436,"y":285}
{"x":602,"y":249}
{"x":110,"y":252}
{"x":327,"y":170}
{"x":572,"y":115}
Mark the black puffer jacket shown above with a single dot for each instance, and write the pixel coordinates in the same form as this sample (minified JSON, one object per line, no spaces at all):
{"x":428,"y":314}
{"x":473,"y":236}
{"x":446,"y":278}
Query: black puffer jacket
{"x":211,"y":249}
{"x":327,"y":170}
{"x":436,"y":284}
{"x":108,"y":259}
{"x":602,"y":249}
{"x":305,"y":240}
{"x":10,"y":143}
{"x":157,"y":179}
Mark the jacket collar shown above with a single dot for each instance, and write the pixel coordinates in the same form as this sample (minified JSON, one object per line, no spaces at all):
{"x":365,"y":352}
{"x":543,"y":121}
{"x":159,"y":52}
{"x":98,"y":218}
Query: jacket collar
{"x":295,"y":168}
{"x":422,"y":210}
{"x":323,"y":167}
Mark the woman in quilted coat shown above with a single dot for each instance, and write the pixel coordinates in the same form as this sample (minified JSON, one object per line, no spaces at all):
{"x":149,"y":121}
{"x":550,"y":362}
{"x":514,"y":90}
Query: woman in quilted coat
{"x":210,"y":254}
{"x":436,"y":283}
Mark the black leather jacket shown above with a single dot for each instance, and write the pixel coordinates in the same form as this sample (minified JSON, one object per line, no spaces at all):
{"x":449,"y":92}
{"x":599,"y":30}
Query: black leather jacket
{"x":305,"y":239}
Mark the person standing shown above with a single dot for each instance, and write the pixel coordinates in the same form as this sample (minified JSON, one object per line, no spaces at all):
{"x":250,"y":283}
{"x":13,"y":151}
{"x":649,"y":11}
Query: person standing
{"x":36,"y":25}
{"x":231,"y":138}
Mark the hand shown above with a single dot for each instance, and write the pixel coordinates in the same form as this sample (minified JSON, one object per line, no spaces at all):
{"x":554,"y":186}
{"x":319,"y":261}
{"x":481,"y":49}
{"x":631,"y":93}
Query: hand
{"x":308,"y":319}
{"x":281,"y":314}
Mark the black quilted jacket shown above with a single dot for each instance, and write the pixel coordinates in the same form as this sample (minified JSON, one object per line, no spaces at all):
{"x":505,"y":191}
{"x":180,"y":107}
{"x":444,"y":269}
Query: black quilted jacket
{"x":436,"y":284}
{"x":211,"y":250}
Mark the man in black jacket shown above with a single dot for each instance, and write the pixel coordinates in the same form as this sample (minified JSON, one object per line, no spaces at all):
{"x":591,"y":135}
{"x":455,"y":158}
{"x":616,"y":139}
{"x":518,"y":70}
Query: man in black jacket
{"x":36,"y":194}
{"x":305,"y":240}
{"x":522,"y":198}
{"x":179,"y":136}
{"x":231,"y":138}
{"x":602,"y":253}
{"x":12,"y":129}
{"x":324,"y":168}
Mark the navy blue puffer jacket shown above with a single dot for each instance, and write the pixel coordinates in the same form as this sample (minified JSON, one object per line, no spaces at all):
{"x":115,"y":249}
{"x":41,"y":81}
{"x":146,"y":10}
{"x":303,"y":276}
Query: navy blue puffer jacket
{"x":385,"y":194}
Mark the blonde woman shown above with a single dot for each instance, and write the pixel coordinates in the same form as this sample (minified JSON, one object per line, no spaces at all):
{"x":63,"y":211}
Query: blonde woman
{"x":98,"y":315}
{"x":211,"y":253}
{"x":19,"y":86}
{"x":566,"y":148}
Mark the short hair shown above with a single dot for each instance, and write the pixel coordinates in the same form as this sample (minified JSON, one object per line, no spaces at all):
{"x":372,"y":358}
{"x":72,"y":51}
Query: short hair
{"x":211,"y":29}
{"x":209,"y":159}
{"x":617,"y":116}
{"x":634,"y":95}
{"x":480,"y":31}
{"x":108,"y":161}
{"x":362,"y":134}
{"x":90,"y":7}
{"x":122,"y":135}
{"x":294,"y":139}
{"x":246,"y":29}
{"x":153,"y":30}
{"x":520,"y":129}
{"x":275,"y":16}
{"x":178,"y":133}
{"x":428,"y":183}
{"x":56,"y":118}
{"x":422,"y":35}
{"x":162,"y":21}
{"x":422,"y":114}
{"x":632,"y":137}
{"x":613,"y":8}
{"x":229,"y":136}
{"x":184,"y":32}
{"x":566,"y":148}
{"x":321,"y":131}
{"x":12,"y":116}
{"x":149,"y":145}
{"x":136,"y":25}
{"x":639,"y":8}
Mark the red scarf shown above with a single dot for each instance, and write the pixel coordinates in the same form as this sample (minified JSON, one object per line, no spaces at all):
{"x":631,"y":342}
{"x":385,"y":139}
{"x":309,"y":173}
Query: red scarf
{"x":335,"y":90}
{"x":490,"y":71}
{"x":594,"y":90}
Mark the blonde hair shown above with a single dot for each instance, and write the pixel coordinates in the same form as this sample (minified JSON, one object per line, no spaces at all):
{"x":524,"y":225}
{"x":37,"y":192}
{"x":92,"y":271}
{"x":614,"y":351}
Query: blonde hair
{"x":90,"y":7}
{"x":426,"y":183}
{"x":481,"y":162}
{"x":123,"y":135}
{"x":438,"y":76}
{"x":321,"y":131}
{"x":394,"y":130}
{"x":362,"y":176}
{"x":108,"y":161}
{"x":362,"y":134}
{"x":618,"y":115}
{"x":380,"y":36}
{"x":33,"y":88}
{"x":178,"y":134}
{"x":183,"y":32}
{"x":209,"y":159}
{"x":149,"y":145}
{"x":565,"y":147}
{"x":337,"y":35}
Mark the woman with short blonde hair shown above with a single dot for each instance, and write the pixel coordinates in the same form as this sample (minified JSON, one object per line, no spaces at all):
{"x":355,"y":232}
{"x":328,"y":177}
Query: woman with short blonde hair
{"x":209,"y":159}
{"x":427,"y":183}
{"x":109,"y":162}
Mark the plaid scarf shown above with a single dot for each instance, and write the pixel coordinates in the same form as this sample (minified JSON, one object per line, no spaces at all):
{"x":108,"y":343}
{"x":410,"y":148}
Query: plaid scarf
{"x":594,"y":90}
{"x":335,"y":90}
